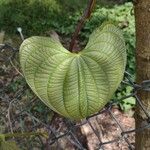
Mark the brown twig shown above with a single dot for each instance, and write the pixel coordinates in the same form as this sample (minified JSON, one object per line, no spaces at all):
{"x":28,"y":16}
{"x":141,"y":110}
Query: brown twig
{"x":9,"y":118}
{"x":86,"y":15}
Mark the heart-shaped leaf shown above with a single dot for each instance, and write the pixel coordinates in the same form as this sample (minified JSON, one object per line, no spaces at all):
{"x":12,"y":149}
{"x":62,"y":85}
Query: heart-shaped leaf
{"x":75,"y":85}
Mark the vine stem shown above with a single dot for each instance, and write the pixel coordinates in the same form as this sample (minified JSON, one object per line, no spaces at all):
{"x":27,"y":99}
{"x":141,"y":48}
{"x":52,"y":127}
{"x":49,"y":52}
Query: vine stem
{"x":86,"y":15}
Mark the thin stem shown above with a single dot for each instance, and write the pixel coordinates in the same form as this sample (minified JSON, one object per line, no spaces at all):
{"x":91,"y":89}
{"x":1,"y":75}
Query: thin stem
{"x":15,"y":68}
{"x":86,"y":15}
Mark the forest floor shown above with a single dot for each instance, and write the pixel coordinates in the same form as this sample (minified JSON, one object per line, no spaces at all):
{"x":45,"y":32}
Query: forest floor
{"x":22,"y":112}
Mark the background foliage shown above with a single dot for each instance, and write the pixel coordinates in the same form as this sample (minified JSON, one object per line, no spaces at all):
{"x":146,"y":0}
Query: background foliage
{"x":38,"y":17}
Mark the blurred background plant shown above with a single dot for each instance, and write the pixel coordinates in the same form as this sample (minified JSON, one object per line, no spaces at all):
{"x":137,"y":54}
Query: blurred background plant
{"x":44,"y":17}
{"x":40,"y":17}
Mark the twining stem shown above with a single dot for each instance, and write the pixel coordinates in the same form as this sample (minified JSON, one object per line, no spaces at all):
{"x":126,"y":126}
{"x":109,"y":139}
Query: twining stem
{"x":86,"y":15}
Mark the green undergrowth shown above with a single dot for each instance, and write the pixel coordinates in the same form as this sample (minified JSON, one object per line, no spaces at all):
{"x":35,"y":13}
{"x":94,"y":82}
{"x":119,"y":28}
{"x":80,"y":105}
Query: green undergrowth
{"x":40,"y":17}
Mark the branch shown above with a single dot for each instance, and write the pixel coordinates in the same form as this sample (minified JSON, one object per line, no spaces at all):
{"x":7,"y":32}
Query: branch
{"x":86,"y":15}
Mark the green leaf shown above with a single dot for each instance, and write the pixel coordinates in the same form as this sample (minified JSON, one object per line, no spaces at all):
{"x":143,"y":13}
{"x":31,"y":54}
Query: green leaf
{"x":5,"y":145}
{"x":75,"y":85}
{"x":128,"y":104}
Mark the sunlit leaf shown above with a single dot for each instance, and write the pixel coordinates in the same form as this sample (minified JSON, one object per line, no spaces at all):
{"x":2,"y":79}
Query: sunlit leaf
{"x":75,"y":85}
